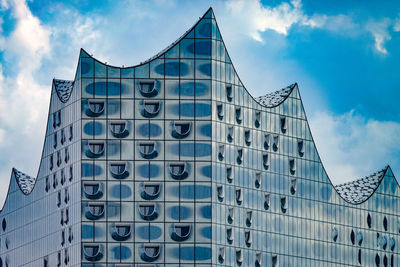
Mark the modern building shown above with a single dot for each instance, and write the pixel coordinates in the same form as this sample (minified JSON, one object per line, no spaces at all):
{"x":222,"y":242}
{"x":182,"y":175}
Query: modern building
{"x":173,"y":163}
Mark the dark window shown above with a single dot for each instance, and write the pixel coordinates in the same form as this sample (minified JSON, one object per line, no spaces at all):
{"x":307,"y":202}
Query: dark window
{"x":385,"y":223}
{"x":71,"y":132}
{"x":96,"y":108}
{"x":148,"y":88}
{"x":62,"y":140}
{"x":181,"y":232}
{"x":148,"y":211}
{"x":4,"y":224}
{"x":55,"y":140}
{"x":71,"y":173}
{"x":66,"y":158}
{"x":58,"y":198}
{"x":150,"y":253}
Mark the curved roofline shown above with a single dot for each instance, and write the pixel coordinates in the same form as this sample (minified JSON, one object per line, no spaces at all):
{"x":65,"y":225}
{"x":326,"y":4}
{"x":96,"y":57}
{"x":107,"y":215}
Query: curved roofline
{"x":40,"y":164}
{"x":324,"y":169}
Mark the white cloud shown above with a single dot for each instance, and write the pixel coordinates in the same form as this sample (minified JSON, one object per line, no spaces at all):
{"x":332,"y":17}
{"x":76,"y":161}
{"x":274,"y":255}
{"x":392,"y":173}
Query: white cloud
{"x":352,"y":147}
{"x":256,"y":18}
{"x":380,"y":33}
{"x":396,"y":26}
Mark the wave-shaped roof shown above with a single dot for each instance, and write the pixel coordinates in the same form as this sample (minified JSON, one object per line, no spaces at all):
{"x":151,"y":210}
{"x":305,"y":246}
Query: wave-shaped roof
{"x":275,"y":98}
{"x":63,"y":89}
{"x":360,"y":190}
{"x":25,"y":182}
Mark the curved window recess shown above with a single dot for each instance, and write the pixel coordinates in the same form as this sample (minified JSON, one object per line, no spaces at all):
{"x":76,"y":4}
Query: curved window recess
{"x":239,"y":256}
{"x":257,"y":121}
{"x":66,"y":196}
{"x":247,"y":238}
{"x":71,"y":132}
{"x":4,"y":224}
{"x":150,"y":109}
{"x":385,"y":261}
{"x":7,"y":243}
{"x":1,"y":263}
{"x":62,"y":177}
{"x":275,"y":144}
{"x":229,"y":174}
{"x":54,"y":120}
{"x":150,"y":253}
{"x":55,"y":140}
{"x":229,"y":93}
{"x":62,"y":238}
{"x":93,"y":190}
{"x":266,"y":161}
{"x":360,"y":238}
{"x":249,"y":218}
{"x":384,"y":242}
{"x":96,"y":107}
{"x":359,"y":256}
{"x":267,"y":201}
{"x":378,"y":243}
{"x":385,"y":223}
{"x":267,"y":141}
{"x":377,"y":260}
{"x":59,"y":259}
{"x":66,"y":157}
{"x":239,"y":196}
{"x":47,"y":187}
{"x":51,"y":162}
{"x":181,"y":232}
{"x":70,"y":235}
{"x":148,"y":211}
{"x":258,"y":262}
{"x":148,"y":88}
{"x":392,"y":261}
{"x":118,"y":170}
{"x":247,"y":137}
{"x":62,"y":139}
{"x":119,"y":129}
{"x":58,"y":158}
{"x":231,"y":215}
{"x":283,"y":124}
{"x":229,"y":235}
{"x":392,"y":243}
{"x":58,"y":198}
{"x":66,"y":258}
{"x":55,"y":181}
{"x":181,"y":129}
{"x":293,"y":186}
{"x":58,"y":118}
{"x":221,"y":152}
{"x":239,"y":158}
{"x":335,"y":233}
{"x":230,"y":134}
{"x":292,"y":166}
{"x":353,"y":237}
{"x":369,"y":220}
{"x":239,"y":116}
{"x":178,"y":170}
{"x":284,"y":204}
{"x":121,"y":231}
{"x":150,"y":191}
{"x":93,"y":252}
{"x":220,"y":111}
{"x":62,"y":217}
{"x":257,"y":182}
{"x":95,"y":149}
{"x":66,"y":220}
{"x":71,"y":173}
{"x":274,"y":260}
{"x":148,"y":150}
{"x":300,"y":147}
{"x":94,"y":210}
{"x":220,"y":192}
{"x":221,"y":254}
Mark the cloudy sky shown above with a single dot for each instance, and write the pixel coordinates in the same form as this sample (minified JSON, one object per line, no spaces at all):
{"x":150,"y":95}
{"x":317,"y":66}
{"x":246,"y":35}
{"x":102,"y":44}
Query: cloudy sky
{"x":343,"y":54}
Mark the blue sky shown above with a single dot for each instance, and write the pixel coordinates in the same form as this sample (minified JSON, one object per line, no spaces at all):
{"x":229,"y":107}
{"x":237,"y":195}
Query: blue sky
{"x":343,"y":54}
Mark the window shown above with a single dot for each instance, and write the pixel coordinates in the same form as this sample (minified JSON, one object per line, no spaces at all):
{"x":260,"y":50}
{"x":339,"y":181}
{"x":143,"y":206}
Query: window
{"x":275,"y":145}
{"x":283,"y":124}
{"x":66,"y":197}
{"x":335,"y":233}
{"x":229,"y":235}
{"x":70,"y":235}
{"x":249,"y":218}
{"x":150,"y":109}
{"x":292,"y":166}
{"x":148,"y":150}
{"x":148,"y":88}
{"x":62,"y":217}
{"x":148,"y":211}
{"x":119,"y":129}
{"x":92,"y":190}
{"x":4,"y":224}
{"x":62,"y":177}
{"x":392,"y":243}
{"x":258,"y":262}
{"x":71,"y":132}
{"x":47,"y":186}
{"x":58,"y":198}
{"x":150,"y":253}
{"x":93,"y":252}
{"x":231,"y":215}
{"x":300,"y":147}
{"x":239,"y":256}
{"x":267,"y":201}
{"x":150,"y":191}
{"x":352,"y":237}
{"x":71,"y":173}
{"x":118,"y":170}
{"x":66,"y":157}
{"x":257,"y":182}
{"x":58,"y":158}
{"x":181,"y":232}
{"x":229,"y":93}
{"x":181,"y":129}
{"x":220,"y":111}
{"x":239,"y":158}
{"x":121,"y":232}
{"x":293,"y":186}
{"x":369,"y":220}
{"x":266,"y":161}
{"x":96,"y":108}
{"x":220,"y":193}
{"x":66,"y":256}
{"x":267,"y":141}
{"x":284,"y":204}
{"x":239,"y":116}
{"x":51,"y":162}
{"x":45,"y":262}
{"x":247,"y":238}
{"x":229,"y":174}
{"x":385,"y":223}
{"x":221,"y":152}
{"x":247,"y":137}
{"x":221,"y":255}
{"x":231,"y":133}
{"x":55,"y":181}
{"x":94,"y":211}
{"x":360,"y":238}
{"x":66,"y":220}
{"x":239,"y":196}
{"x":96,"y":149}
{"x":274,"y":260}
{"x":62,"y":238}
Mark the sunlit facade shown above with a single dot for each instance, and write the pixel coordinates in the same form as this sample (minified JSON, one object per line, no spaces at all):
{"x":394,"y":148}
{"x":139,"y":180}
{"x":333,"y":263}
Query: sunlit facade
{"x":173,"y":163}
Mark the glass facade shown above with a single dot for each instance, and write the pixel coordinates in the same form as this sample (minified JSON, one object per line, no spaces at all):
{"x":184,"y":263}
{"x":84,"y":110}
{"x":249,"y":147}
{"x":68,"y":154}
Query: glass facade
{"x":173,"y":163}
